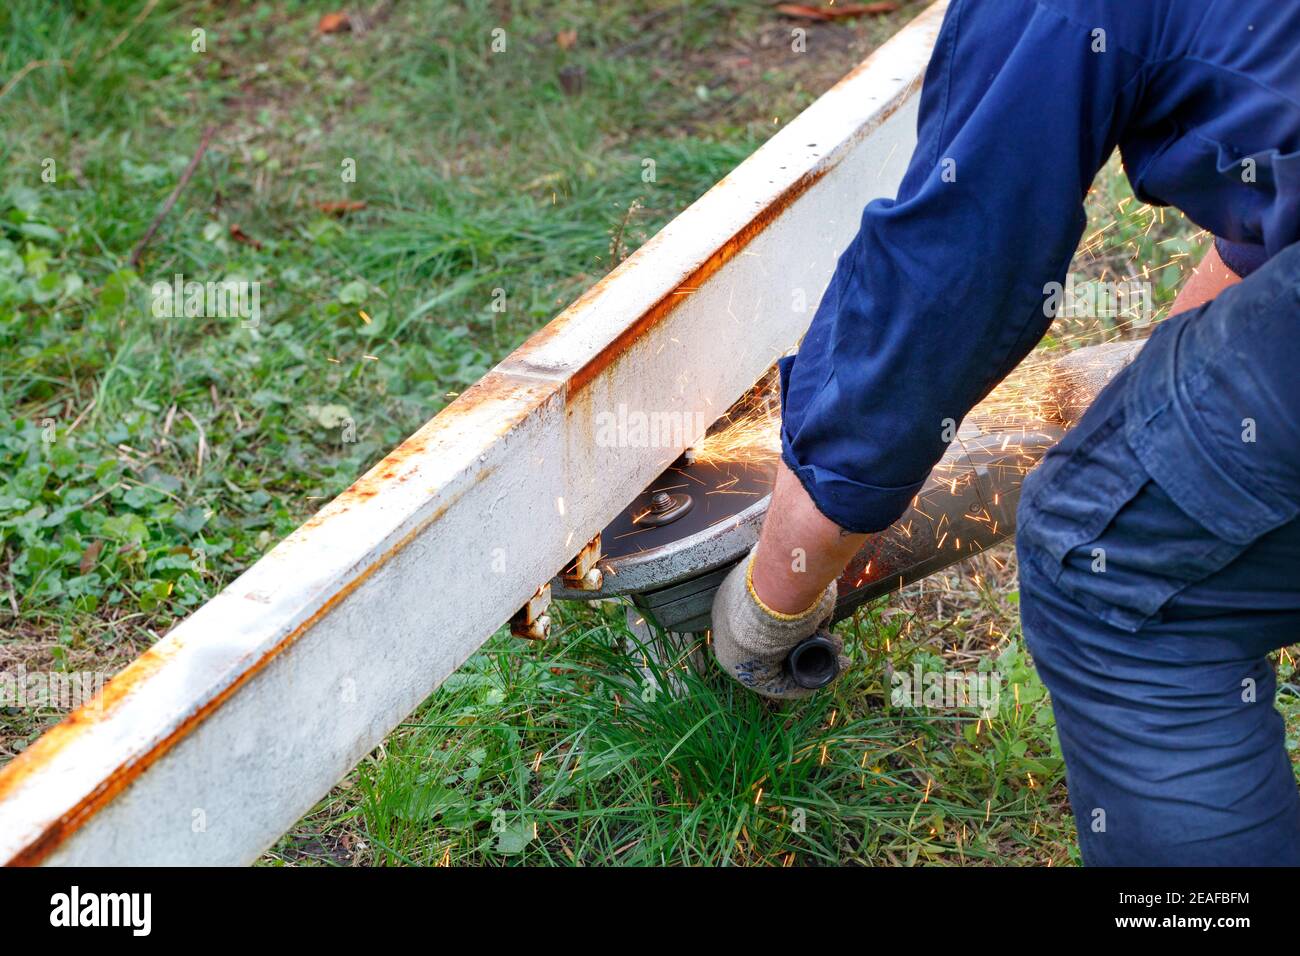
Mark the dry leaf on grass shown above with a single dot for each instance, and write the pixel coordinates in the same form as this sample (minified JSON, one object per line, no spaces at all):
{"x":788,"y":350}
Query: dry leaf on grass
{"x":338,"y":207}
{"x":90,"y":556}
{"x":839,"y":12}
{"x":334,"y":23}
{"x":239,"y":235}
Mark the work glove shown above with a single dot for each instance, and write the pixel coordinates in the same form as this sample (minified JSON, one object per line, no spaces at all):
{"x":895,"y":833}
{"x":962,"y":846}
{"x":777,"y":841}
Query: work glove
{"x":751,"y":642}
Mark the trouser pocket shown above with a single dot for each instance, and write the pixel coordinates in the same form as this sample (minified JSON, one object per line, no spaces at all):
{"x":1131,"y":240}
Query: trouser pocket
{"x":1095,"y":521}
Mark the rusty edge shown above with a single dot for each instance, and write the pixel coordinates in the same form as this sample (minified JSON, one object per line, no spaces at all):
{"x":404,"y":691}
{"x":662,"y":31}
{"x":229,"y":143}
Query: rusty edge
{"x":728,"y":250}
{"x":503,"y":378}
{"x":70,"y":822}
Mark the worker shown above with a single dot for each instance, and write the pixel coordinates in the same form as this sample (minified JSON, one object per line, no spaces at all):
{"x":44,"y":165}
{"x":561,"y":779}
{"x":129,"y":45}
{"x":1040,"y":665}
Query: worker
{"x":1183,"y":477}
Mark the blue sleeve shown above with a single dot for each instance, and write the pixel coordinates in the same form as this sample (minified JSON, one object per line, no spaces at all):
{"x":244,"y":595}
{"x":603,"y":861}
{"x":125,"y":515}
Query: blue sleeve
{"x":1242,"y":258}
{"x":941,"y":293}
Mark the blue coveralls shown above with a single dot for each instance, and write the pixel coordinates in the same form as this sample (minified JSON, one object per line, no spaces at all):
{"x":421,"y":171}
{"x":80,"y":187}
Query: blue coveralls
{"x":1185,"y":474}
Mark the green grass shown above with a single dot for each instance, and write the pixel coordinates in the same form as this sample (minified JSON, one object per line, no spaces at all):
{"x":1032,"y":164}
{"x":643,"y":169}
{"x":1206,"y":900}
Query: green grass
{"x":145,"y":462}
{"x":465,"y":194}
{"x":578,"y":752}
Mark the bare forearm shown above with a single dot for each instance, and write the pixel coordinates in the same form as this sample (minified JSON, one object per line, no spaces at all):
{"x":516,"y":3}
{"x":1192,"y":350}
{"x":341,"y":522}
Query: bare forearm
{"x":800,"y":551}
{"x":1210,"y":277}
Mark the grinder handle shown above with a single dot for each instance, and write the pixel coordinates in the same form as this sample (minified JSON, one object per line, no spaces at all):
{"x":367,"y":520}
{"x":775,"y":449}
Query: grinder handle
{"x":814,"y":662}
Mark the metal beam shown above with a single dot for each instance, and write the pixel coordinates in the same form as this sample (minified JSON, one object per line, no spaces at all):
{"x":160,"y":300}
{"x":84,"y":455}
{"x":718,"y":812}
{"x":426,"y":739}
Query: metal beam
{"x":222,"y":735}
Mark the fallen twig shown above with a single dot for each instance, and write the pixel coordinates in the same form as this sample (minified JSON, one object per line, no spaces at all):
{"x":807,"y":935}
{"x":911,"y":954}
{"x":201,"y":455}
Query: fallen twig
{"x":171,"y":200}
{"x":34,"y":64}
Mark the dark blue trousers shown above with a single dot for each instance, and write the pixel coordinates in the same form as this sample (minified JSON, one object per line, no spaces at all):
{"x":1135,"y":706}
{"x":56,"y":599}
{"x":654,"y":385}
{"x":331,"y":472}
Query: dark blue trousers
{"x":1159,"y":552}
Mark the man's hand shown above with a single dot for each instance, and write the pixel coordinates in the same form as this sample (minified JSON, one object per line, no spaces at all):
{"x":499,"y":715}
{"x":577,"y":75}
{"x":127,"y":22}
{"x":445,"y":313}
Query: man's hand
{"x":751,"y":641}
{"x":800,"y":550}
{"x":782,"y":593}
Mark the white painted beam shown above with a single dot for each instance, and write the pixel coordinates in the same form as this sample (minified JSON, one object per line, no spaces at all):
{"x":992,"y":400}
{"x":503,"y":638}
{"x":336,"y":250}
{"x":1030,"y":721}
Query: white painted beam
{"x":221,"y":736}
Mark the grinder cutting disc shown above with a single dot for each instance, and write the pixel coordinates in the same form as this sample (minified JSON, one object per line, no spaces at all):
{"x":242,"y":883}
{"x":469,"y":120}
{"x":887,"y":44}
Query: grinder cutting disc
{"x":672,"y":571}
{"x":672,"y":546}
{"x":702,"y":494}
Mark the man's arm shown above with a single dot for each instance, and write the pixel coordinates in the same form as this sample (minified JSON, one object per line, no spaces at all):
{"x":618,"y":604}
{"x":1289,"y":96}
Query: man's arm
{"x":800,"y":550}
{"x":942,"y":292}
{"x":1207,"y":280}
{"x":938,"y":297}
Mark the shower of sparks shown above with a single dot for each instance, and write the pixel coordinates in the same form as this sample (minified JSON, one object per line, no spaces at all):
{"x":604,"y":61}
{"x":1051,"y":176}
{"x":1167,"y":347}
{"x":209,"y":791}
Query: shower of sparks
{"x":1028,"y":397}
{"x":750,"y":431}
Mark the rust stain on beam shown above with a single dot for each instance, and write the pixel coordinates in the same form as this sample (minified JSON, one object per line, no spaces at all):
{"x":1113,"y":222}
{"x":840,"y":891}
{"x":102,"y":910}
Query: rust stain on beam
{"x":396,"y":467}
{"x":724,"y":254}
{"x":637,"y":328}
{"x":127,"y":682}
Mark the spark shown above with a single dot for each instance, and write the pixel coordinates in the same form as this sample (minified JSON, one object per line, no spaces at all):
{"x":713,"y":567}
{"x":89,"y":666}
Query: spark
{"x":750,"y":432}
